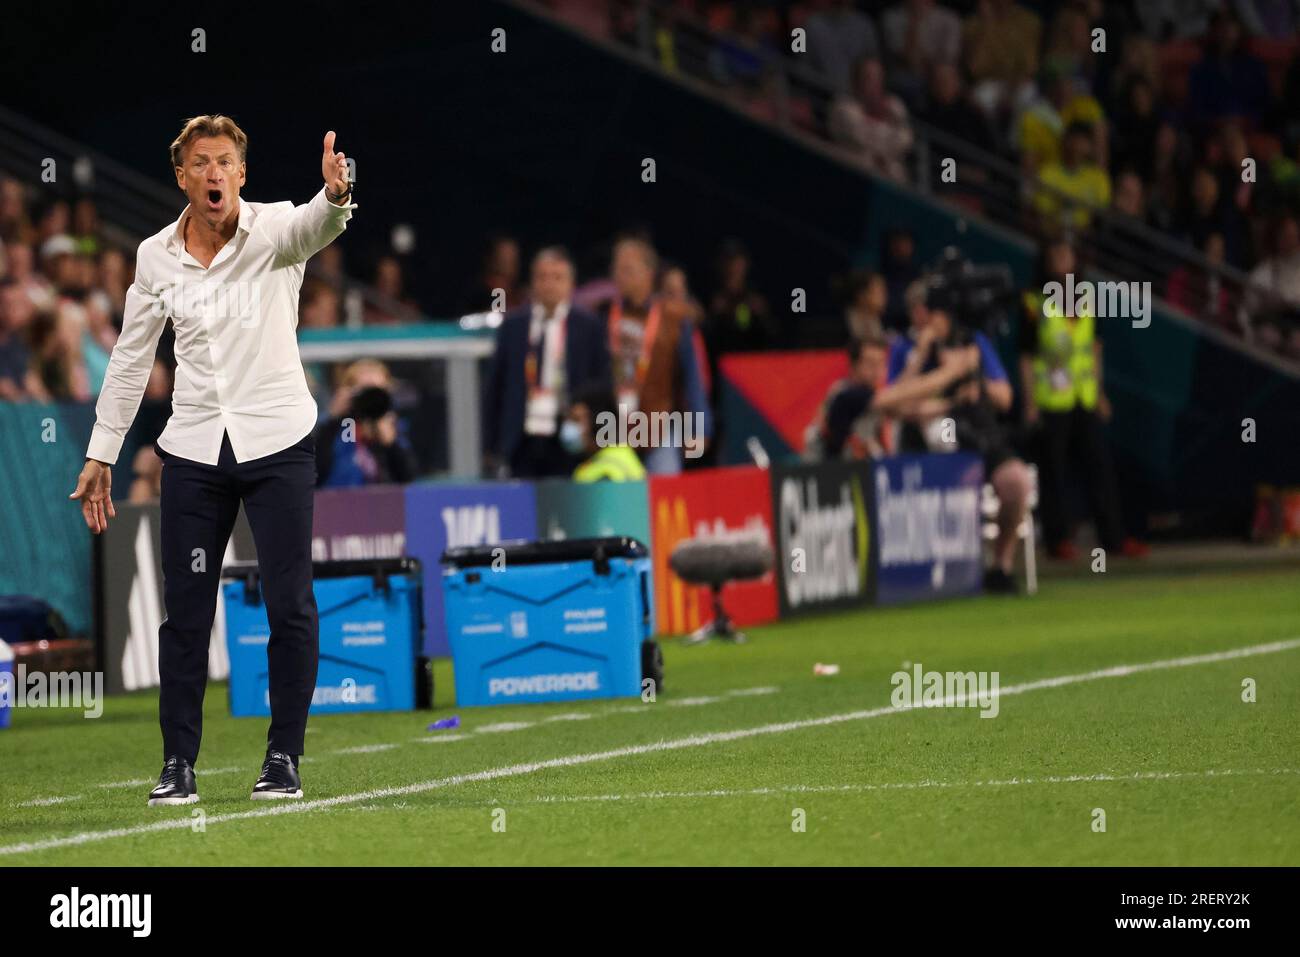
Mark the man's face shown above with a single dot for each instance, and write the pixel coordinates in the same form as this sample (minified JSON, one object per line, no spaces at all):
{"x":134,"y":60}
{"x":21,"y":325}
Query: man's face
{"x":505,"y":259}
{"x":322,"y":312}
{"x":871,"y":365}
{"x":552,"y":281}
{"x":211,"y":177}
{"x":632,"y":274}
{"x":1078,"y":149}
{"x":918,"y":314}
{"x":673,"y":285}
{"x":1128,"y":195}
{"x":876,"y":295}
{"x":20,"y":261}
{"x":388,"y":277}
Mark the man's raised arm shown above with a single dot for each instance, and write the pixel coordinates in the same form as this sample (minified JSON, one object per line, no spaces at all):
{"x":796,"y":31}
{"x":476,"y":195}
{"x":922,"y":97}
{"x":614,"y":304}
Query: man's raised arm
{"x":300,"y":232}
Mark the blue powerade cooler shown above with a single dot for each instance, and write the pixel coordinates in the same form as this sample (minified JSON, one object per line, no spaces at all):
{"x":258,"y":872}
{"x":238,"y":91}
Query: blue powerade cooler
{"x":371,"y":637}
{"x":550,"y":621}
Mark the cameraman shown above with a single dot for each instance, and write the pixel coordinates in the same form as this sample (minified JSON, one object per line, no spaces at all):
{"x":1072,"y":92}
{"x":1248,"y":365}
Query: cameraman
{"x":974,"y":403}
{"x":852,"y":413}
{"x":363,"y":447}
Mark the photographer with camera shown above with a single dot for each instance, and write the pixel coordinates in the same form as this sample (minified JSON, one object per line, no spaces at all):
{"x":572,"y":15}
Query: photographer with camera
{"x":965,"y":414}
{"x":365,"y":446}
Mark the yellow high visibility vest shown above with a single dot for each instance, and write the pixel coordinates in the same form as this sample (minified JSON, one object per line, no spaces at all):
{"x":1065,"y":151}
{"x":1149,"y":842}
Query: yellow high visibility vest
{"x":617,"y":463}
{"x":1065,"y":368}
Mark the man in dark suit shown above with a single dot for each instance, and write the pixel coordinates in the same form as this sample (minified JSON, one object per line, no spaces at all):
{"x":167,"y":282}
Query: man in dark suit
{"x":546,"y":352}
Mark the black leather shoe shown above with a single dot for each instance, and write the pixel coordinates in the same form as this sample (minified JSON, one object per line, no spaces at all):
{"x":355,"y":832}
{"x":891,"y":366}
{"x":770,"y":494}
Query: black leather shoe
{"x":175,"y":785}
{"x":279,"y":778}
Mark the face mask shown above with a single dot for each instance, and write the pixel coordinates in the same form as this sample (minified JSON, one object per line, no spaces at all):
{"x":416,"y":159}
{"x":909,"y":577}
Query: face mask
{"x":571,"y":437}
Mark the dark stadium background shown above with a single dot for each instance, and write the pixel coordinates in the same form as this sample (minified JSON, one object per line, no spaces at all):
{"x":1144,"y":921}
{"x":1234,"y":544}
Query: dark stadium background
{"x":544,"y":141}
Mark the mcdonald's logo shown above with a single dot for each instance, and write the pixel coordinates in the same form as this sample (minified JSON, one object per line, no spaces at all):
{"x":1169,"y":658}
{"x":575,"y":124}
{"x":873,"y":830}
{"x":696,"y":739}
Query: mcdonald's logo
{"x":677,"y":605}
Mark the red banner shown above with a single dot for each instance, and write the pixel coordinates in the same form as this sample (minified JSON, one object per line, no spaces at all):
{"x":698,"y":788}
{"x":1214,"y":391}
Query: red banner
{"x":786,"y":388}
{"x":702,"y":503}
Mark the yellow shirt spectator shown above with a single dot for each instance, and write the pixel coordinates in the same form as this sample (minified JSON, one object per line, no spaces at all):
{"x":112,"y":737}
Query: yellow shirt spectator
{"x":1087,"y":188}
{"x":1040,"y":130}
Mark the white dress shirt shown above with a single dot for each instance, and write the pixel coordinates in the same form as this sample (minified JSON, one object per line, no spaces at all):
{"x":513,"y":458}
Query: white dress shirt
{"x":546,"y":399}
{"x":237,"y":363}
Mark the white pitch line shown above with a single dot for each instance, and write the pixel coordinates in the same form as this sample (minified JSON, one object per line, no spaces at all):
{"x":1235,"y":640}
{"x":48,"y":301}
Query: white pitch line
{"x":692,"y":702}
{"x":503,"y":726}
{"x":676,"y":744}
{"x":49,"y":801}
{"x":440,"y":739}
{"x":889,"y":786}
{"x":364,"y":749}
{"x":199,"y":772}
{"x":568,"y":716}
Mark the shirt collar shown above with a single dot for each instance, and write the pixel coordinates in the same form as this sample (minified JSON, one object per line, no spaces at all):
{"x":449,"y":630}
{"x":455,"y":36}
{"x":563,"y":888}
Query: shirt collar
{"x":176,"y":240}
{"x":539,"y":311}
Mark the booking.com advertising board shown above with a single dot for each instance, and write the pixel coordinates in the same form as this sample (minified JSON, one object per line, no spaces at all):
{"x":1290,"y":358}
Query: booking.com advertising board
{"x":928,"y":527}
{"x":446,"y":516}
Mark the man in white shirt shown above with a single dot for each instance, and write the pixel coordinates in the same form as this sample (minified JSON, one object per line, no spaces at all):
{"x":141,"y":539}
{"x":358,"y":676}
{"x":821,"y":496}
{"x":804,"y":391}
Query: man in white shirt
{"x":227,"y":273}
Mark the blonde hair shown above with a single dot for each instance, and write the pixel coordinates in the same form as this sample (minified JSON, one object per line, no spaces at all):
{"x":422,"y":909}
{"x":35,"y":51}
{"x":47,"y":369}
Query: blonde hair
{"x":210,"y":124}
{"x":363,"y":368}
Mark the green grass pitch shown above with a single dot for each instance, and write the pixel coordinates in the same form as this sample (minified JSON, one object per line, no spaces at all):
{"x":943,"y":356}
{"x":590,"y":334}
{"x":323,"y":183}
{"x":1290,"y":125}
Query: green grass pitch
{"x":723,"y":767}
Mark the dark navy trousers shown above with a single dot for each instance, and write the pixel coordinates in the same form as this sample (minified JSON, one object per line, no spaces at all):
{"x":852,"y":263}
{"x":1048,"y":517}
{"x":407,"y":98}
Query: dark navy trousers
{"x":199,"y":506}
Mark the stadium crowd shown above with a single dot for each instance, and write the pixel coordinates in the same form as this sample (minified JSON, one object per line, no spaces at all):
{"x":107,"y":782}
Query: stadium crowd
{"x":1157,"y":132}
{"x":1125,"y":118}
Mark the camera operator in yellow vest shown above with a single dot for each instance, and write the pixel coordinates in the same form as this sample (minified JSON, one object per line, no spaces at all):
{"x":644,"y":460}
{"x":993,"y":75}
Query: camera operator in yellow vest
{"x":1063,"y":401}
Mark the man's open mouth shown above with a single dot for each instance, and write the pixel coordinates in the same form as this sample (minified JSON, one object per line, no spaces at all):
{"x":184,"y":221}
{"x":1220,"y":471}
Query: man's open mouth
{"x":214,"y":198}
